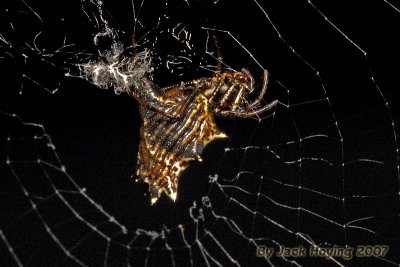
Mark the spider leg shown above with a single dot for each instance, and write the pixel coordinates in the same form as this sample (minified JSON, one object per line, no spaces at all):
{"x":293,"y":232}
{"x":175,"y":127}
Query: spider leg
{"x":249,"y":113}
{"x":134,"y":45}
{"x":238,"y":99}
{"x":228,"y":93}
{"x":248,"y":74}
{"x":263,"y":91}
{"x":219,"y":54}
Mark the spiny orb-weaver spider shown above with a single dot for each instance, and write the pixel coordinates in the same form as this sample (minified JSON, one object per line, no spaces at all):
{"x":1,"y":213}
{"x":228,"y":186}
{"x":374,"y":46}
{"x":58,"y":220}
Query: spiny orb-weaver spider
{"x":177,"y":121}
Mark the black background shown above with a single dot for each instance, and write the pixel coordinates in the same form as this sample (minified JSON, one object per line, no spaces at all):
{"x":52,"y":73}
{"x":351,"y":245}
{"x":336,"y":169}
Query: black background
{"x":96,"y":132}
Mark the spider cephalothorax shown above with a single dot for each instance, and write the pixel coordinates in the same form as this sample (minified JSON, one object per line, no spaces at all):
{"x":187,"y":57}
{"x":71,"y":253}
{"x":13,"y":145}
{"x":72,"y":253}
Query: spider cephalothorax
{"x":228,"y":92}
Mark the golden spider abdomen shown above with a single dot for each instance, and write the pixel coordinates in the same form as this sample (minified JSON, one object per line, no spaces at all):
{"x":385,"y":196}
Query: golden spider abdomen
{"x":168,"y":145}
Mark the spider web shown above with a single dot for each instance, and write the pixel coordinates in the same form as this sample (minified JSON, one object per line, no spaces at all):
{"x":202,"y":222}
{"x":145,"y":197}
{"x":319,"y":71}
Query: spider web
{"x":321,"y":170}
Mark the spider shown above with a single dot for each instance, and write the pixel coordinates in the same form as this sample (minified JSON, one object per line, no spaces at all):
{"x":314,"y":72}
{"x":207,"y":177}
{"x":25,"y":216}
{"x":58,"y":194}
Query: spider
{"x":178,"y":122}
